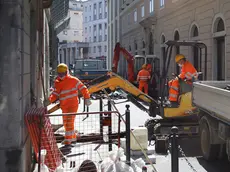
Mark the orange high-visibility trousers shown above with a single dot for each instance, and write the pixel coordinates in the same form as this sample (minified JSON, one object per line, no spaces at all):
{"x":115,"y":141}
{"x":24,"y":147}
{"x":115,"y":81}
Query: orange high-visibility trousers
{"x":144,"y":85}
{"x":68,"y":122}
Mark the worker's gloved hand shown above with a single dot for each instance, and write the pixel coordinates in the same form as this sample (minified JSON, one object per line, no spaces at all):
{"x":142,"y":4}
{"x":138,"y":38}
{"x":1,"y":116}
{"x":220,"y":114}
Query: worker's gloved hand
{"x":46,"y":103}
{"x":88,"y":102}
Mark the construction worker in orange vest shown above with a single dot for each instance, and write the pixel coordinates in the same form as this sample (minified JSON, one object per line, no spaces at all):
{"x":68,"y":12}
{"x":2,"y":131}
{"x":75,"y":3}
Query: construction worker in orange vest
{"x":66,"y":89}
{"x":188,"y":74}
{"x":143,"y":77}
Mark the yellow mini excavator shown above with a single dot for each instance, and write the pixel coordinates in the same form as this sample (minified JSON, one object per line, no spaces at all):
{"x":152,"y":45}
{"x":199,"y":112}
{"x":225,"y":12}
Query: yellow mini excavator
{"x":163,"y":115}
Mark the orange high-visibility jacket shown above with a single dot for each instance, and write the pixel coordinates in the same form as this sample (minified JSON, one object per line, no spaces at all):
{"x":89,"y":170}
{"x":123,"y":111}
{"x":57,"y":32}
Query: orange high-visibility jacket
{"x":66,"y":91}
{"x":173,"y":90}
{"x":188,"y":71}
{"x":143,"y":75}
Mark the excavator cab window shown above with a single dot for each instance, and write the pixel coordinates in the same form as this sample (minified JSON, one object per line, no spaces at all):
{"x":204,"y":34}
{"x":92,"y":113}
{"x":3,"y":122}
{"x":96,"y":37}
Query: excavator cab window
{"x":155,"y":63}
{"x":149,"y":60}
{"x":138,"y":62}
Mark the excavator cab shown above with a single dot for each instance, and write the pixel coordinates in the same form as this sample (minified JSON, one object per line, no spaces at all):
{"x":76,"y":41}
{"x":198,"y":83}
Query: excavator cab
{"x":154,"y":62}
{"x":139,"y":60}
{"x":184,"y":106}
{"x":184,"y":114}
{"x":155,"y":75}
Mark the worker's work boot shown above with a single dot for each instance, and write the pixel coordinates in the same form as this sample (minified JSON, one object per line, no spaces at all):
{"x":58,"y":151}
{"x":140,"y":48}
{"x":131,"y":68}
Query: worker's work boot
{"x":65,"y":142}
{"x":78,"y":136}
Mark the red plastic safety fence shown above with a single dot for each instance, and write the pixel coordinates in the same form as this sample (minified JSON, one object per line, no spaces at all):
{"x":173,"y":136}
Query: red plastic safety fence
{"x":42,"y":136}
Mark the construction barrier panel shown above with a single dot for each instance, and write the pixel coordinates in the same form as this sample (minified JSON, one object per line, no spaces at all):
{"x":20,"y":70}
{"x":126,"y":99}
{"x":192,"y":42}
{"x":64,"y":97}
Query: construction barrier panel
{"x":98,"y":133}
{"x":103,"y":139}
{"x":42,"y":136}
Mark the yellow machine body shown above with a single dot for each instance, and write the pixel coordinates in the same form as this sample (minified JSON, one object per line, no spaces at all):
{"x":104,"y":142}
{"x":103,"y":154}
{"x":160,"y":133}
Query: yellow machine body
{"x":185,"y":107}
{"x":114,"y":82}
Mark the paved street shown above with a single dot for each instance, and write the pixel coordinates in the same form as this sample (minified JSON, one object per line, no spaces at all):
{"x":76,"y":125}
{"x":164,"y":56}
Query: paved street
{"x":193,"y":152}
{"x":190,"y":146}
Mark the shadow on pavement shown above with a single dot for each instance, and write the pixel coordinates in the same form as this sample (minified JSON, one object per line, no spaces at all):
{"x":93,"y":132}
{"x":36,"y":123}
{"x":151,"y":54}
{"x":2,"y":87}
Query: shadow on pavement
{"x":191,"y":148}
{"x":215,"y":166}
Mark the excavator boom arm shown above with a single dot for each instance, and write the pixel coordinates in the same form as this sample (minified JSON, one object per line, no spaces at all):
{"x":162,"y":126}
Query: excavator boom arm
{"x":130,"y":61}
{"x":113,"y":82}
{"x":118,"y":49}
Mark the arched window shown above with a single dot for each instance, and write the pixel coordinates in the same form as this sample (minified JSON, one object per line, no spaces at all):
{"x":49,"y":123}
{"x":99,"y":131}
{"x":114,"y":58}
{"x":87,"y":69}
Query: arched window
{"x":60,"y":55}
{"x":163,"y":53}
{"x":143,"y":44}
{"x":196,"y":59}
{"x":219,"y":47}
{"x":151,"y":43}
{"x":194,"y":31}
{"x":220,"y":26}
{"x":162,"y":39}
{"x":135,"y":45}
{"x":143,"y":47}
{"x":176,"y":36}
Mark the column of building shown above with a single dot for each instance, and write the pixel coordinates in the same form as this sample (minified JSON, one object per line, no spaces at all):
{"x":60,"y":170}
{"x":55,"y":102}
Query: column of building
{"x":70,"y":55}
{"x":110,"y":51}
{"x":73,"y":54}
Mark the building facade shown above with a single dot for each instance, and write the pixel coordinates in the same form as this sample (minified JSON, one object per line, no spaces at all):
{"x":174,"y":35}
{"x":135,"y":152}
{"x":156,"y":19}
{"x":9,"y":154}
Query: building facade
{"x":74,"y":31}
{"x":146,"y":24}
{"x":95,"y":27}
{"x":114,"y":29}
{"x":24,"y":46}
{"x":68,"y":52}
{"x":71,"y":42}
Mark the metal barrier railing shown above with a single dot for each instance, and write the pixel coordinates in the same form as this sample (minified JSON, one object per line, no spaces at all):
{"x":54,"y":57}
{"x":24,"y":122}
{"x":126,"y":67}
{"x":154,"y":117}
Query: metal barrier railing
{"x":98,"y":133}
{"x":127,"y":122}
